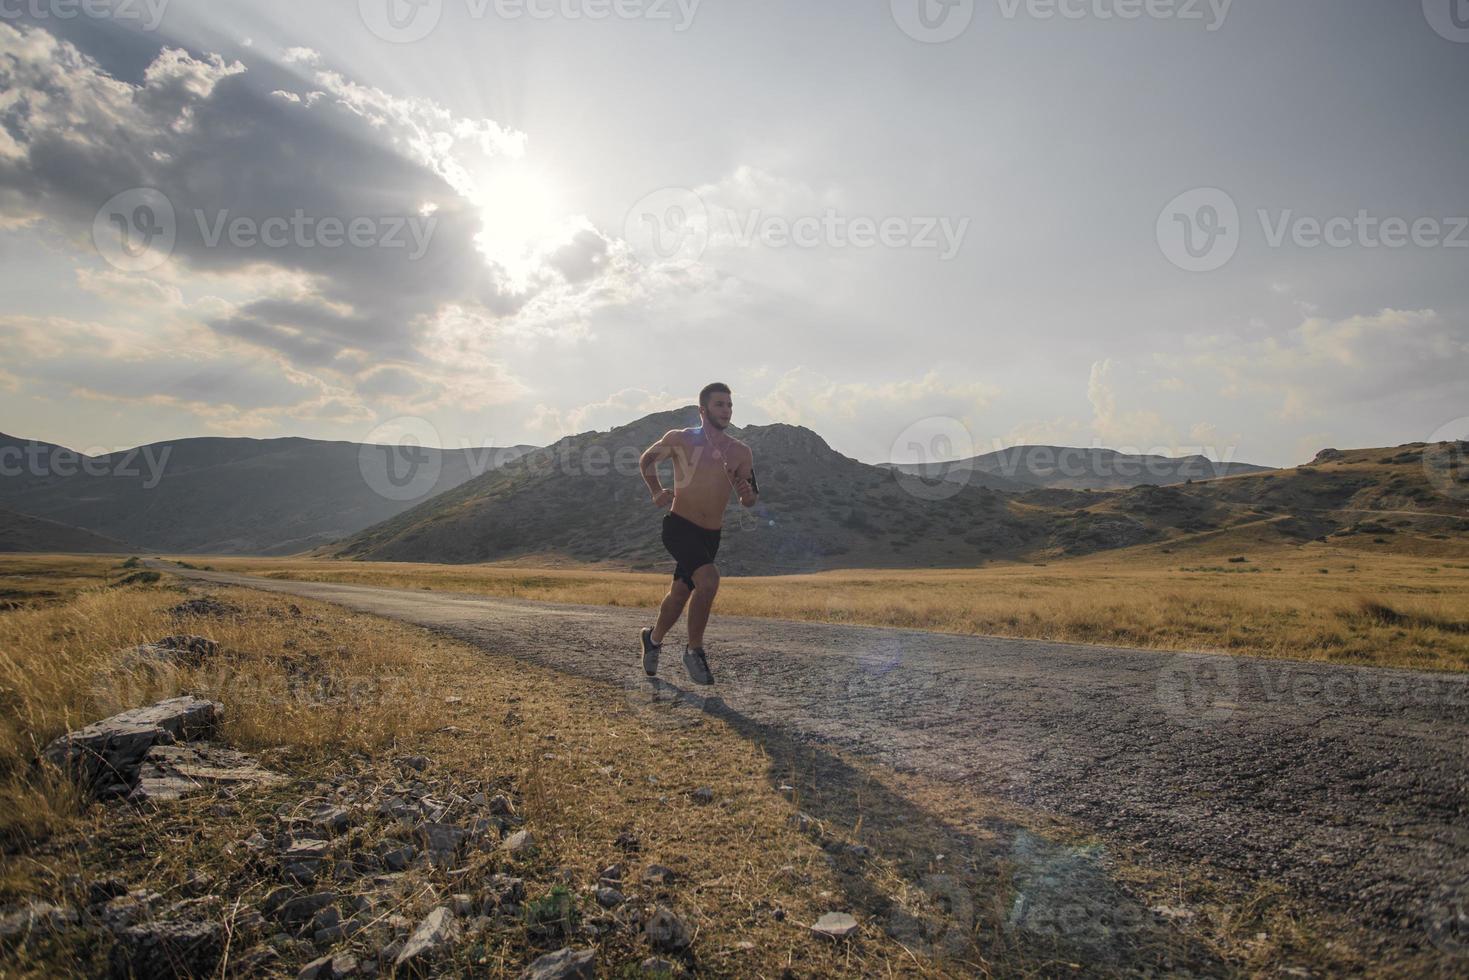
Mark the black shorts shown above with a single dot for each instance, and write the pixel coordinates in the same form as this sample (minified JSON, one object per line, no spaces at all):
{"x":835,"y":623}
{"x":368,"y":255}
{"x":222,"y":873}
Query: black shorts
{"x":691,"y":546}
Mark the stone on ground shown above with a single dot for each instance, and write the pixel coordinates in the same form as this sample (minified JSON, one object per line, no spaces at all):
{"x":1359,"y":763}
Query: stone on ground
{"x":434,"y":936}
{"x":835,"y":925}
{"x":564,"y":964}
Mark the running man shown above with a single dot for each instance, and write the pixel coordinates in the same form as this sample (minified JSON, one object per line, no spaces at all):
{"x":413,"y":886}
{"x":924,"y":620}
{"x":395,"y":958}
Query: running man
{"x":707,"y":462}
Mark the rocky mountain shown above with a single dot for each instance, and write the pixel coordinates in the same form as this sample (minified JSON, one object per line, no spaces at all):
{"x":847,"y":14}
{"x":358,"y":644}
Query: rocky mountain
{"x":583,"y":499}
{"x":1075,"y":468}
{"x":231,"y":495}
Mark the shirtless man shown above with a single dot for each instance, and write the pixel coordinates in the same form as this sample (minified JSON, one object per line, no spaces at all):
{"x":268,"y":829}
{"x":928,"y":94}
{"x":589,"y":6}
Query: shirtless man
{"x":707,"y":462}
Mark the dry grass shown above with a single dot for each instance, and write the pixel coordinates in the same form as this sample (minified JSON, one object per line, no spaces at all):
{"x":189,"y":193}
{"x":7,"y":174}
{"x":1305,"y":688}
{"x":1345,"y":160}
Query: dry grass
{"x":328,"y":697}
{"x":1296,"y":602}
{"x":331,"y":697}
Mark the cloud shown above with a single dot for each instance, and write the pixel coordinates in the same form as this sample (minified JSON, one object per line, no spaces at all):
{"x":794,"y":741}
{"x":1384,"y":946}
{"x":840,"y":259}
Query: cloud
{"x":228,"y":142}
{"x":1322,"y":365}
{"x":619,"y":408}
{"x":864,"y":418}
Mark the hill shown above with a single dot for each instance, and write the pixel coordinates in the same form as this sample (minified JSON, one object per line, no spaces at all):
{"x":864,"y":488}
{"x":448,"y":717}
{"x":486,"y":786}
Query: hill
{"x":582,"y":499}
{"x":21,"y":532}
{"x":231,"y":495}
{"x":1074,"y":468}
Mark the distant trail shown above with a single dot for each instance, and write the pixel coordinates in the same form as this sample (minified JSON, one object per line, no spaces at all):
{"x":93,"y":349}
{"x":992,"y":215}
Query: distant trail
{"x":1350,"y":785}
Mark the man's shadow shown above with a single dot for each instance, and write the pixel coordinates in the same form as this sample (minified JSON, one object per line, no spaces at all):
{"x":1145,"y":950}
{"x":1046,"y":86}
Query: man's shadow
{"x":1000,"y":894}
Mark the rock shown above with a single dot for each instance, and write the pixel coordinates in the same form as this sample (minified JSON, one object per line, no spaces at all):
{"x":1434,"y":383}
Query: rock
{"x":182,"y":650}
{"x":167,"y":949}
{"x":204,"y":606}
{"x":661,"y":969}
{"x":317,"y":969}
{"x":418,"y":763}
{"x":442,"y":842}
{"x":299,"y":911}
{"x":306,"y":849}
{"x":34,"y":919}
{"x":169,"y":772}
{"x":325,"y":918}
{"x":462,"y":905}
{"x":501,"y":806}
{"x":564,"y":964}
{"x":665,"y":931}
{"x":433,"y":937}
{"x":520,"y":844}
{"x":609,"y":898}
{"x":628,"y":842}
{"x":504,"y":890}
{"x":108,"y":753}
{"x":332,"y":819}
{"x":835,"y":925}
{"x":659,"y":875}
{"x":612,"y":873}
{"x":125,"y":910}
{"x":331,"y":967}
{"x":703,"y":795}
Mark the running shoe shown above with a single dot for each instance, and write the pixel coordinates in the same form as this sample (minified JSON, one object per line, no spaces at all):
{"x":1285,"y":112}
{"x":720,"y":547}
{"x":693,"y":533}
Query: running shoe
{"x":697,"y":666}
{"x":650,"y":652}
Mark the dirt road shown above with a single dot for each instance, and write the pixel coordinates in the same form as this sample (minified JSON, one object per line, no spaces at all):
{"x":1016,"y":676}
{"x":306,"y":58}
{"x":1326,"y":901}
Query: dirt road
{"x":1348,"y":785}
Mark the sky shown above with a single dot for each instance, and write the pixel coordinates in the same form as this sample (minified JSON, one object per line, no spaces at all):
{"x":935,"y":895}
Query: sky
{"x":923,"y":228}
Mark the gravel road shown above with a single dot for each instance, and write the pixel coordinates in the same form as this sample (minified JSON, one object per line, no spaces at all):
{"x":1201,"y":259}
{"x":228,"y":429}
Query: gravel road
{"x":1348,"y":785}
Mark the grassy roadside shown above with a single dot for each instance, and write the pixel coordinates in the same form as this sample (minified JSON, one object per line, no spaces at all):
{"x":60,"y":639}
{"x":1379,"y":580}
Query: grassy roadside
{"x":600,"y":776}
{"x":1315,"y":602}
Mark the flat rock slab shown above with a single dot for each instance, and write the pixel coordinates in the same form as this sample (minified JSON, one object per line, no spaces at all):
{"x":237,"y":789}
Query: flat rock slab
{"x":433,"y":937}
{"x":106,"y":755}
{"x":564,"y":964}
{"x":835,"y":925}
{"x":171,"y":771}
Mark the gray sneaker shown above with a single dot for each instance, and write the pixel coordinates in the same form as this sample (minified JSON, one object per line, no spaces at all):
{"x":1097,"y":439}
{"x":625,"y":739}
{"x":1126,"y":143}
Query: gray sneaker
{"x":698,"y":667}
{"x":650,"y":652}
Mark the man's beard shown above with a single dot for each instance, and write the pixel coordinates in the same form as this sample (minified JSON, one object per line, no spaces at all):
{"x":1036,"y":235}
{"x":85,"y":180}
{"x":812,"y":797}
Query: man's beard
{"x":715,"y":424}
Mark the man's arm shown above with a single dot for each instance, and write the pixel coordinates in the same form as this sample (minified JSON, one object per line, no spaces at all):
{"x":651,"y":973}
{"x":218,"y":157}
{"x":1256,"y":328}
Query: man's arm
{"x":744,"y":479}
{"x":648,"y":463}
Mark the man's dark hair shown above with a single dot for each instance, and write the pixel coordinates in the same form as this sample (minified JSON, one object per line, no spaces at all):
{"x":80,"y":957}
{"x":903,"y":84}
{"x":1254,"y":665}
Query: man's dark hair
{"x":710,"y":389}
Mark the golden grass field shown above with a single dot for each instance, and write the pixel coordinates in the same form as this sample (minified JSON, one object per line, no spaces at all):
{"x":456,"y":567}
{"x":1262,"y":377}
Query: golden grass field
{"x":585,"y":762}
{"x":1349,"y":605}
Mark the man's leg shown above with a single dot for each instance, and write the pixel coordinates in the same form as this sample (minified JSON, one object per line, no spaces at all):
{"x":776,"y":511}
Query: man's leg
{"x":706,"y":586}
{"x":672,"y":608}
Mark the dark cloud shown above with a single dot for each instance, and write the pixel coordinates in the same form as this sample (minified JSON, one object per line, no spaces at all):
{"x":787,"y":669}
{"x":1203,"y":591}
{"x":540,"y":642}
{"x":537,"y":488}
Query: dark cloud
{"x":231,"y":154}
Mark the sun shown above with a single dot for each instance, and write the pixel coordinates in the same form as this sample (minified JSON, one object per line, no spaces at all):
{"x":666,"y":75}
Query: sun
{"x":522,"y":216}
